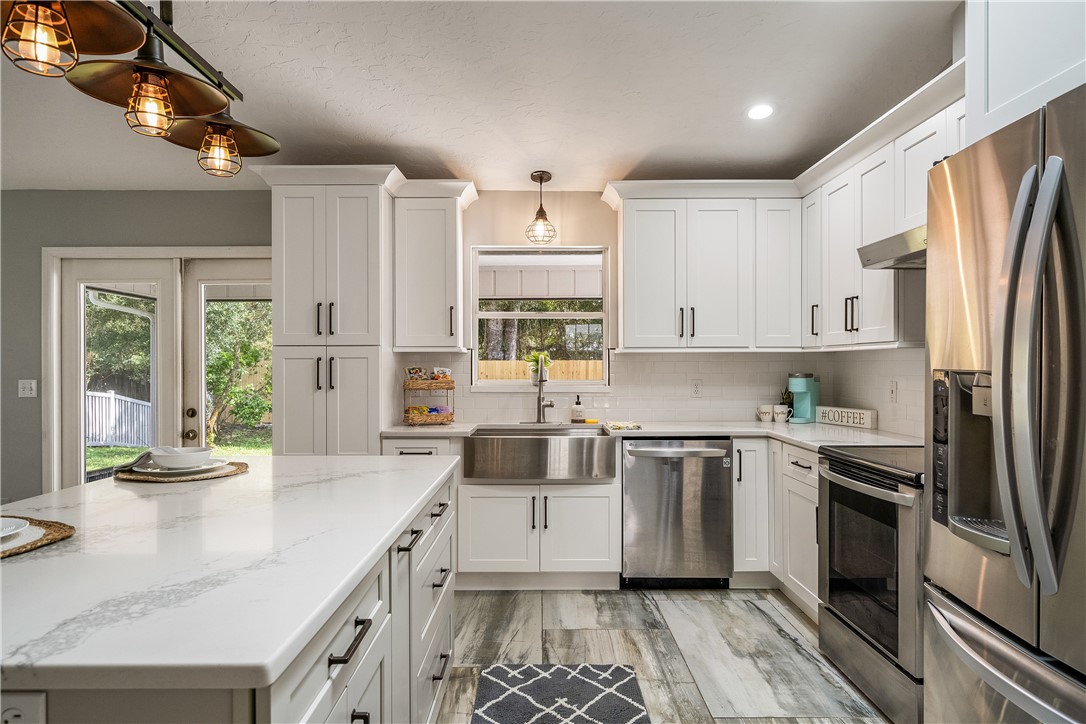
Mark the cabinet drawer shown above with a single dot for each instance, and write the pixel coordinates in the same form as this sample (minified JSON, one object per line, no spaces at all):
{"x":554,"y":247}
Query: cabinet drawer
{"x":415,"y":446}
{"x":420,"y":535}
{"x":312,"y":683}
{"x":801,"y":465}
{"x":431,"y":580}
{"x":369,"y":691}
{"x":434,"y":669}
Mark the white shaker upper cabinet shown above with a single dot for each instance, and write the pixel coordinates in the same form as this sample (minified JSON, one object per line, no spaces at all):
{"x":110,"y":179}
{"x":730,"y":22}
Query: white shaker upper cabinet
{"x":914,"y":154}
{"x":874,"y":314}
{"x":428,"y":274}
{"x":839,"y":261}
{"x":654,"y":248}
{"x":1022,"y":54}
{"x":779,"y":274}
{"x":955,"y":128}
{"x":811,"y":309}
{"x":353,"y":261}
{"x":720,"y":273}
{"x":298,"y":264}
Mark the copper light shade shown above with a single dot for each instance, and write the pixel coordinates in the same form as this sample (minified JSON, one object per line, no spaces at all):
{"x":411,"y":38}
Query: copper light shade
{"x":541,"y":230}
{"x":151,"y":91}
{"x":47,"y":37}
{"x":221,"y":142}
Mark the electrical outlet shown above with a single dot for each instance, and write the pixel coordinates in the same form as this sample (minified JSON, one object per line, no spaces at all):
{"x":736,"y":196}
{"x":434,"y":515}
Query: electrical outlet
{"x":893,"y":392}
{"x":28,"y":388}
{"x":23,"y":707}
{"x":695,"y":388}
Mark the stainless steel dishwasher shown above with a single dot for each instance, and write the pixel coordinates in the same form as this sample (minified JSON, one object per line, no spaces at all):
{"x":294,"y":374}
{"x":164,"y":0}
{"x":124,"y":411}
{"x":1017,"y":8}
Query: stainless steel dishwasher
{"x":677,"y":513}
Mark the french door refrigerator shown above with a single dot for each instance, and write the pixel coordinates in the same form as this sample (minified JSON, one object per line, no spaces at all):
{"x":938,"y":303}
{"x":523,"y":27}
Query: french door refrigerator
{"x":1005,"y":553}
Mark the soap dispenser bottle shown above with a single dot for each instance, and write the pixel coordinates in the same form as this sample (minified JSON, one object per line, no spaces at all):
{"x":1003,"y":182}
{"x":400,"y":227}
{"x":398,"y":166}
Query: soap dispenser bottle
{"x":576,"y":413}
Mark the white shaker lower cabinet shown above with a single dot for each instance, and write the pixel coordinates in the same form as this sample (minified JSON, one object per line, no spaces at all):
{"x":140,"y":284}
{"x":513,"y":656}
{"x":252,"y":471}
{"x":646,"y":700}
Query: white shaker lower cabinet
{"x":550,"y":528}
{"x":325,"y":400}
{"x":776,"y":509}
{"x":778,"y":273}
{"x":368,"y":696}
{"x":750,"y":504}
{"x":801,"y":541}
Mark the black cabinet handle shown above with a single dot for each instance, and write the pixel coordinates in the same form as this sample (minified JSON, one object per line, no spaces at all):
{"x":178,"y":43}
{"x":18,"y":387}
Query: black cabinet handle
{"x":682,"y":321}
{"x":445,"y":573}
{"x":533,"y":512}
{"x":692,"y":326}
{"x":813,"y":308}
{"x":319,"y":305}
{"x":452,"y":332}
{"x":444,"y":665}
{"x":362,"y":716}
{"x":739,"y":454}
{"x":331,"y":378}
{"x":546,"y":516}
{"x":416,"y":535}
{"x":319,"y":360}
{"x":365,"y":624}
{"x":330,"y":330}
{"x":801,"y":465}
{"x":848,"y":303}
{"x":415,"y":452}
{"x":855,"y":307}
{"x":441,"y":508}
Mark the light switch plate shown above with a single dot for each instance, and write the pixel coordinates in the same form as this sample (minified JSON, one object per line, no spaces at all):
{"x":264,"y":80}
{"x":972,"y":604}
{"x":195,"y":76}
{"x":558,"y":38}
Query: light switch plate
{"x":28,"y":388}
{"x":23,"y":707}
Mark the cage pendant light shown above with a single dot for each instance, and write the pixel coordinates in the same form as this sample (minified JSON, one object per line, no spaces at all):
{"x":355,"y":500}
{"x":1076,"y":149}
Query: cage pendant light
{"x":218,"y":154}
{"x":150,"y":111}
{"x":541,"y":230}
{"x":38,"y":38}
{"x":221,"y":142}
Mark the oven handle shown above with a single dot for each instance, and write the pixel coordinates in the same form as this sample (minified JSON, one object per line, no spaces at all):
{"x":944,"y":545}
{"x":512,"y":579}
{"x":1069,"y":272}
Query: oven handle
{"x":903,"y":499}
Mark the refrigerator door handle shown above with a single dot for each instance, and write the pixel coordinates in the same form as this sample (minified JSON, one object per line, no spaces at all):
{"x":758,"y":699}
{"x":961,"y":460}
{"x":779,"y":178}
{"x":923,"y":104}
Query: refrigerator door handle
{"x":1003,"y":339}
{"x":1025,"y":374}
{"x":990,"y":675}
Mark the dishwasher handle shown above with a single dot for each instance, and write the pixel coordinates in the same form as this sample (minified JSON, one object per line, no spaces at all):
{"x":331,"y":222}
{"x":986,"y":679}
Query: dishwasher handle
{"x":676,"y":452}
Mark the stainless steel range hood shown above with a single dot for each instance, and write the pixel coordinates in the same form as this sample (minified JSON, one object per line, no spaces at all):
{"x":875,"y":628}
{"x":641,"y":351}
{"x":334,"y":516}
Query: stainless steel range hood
{"x":907,"y":250}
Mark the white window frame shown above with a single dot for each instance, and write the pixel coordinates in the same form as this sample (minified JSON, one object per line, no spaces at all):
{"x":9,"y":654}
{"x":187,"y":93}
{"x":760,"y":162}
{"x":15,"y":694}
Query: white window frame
{"x":572,"y":386}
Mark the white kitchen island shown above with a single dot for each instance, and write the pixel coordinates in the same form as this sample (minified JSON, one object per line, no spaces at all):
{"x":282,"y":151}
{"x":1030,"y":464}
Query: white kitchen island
{"x":222,"y":600}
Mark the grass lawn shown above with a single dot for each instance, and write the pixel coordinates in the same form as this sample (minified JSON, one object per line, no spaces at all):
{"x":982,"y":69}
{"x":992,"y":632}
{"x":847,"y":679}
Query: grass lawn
{"x":99,"y":458}
{"x":232,"y":442}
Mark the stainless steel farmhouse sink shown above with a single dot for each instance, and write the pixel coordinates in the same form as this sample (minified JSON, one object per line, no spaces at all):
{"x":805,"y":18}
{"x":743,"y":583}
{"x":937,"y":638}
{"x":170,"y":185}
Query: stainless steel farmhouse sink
{"x":531,"y":454}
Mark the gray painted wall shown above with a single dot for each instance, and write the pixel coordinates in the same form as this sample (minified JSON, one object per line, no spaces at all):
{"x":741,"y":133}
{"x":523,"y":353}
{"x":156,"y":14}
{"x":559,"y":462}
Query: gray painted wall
{"x":30,"y":220}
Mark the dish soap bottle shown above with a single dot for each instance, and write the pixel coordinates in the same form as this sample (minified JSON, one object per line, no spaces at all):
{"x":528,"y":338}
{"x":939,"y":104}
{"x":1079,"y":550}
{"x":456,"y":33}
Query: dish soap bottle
{"x":576,"y":413}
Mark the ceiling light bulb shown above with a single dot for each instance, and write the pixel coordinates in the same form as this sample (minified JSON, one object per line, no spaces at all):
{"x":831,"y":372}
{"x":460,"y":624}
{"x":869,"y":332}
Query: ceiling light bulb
{"x":150,"y":112}
{"x":760,"y":111}
{"x":38,"y":39}
{"x":219,"y":152}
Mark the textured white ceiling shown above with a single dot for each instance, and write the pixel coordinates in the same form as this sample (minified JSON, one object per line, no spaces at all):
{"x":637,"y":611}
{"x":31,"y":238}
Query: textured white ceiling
{"x":489,"y":91}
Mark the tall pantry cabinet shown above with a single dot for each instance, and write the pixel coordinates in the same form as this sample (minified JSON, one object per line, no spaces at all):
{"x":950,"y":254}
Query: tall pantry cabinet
{"x":331,"y":269}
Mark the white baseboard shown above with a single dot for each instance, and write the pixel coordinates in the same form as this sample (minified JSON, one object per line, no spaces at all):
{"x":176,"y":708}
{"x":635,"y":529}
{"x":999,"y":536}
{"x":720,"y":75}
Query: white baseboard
{"x":536,"y":581}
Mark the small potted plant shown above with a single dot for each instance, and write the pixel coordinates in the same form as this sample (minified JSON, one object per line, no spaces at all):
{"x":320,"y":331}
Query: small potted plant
{"x":538,"y":362}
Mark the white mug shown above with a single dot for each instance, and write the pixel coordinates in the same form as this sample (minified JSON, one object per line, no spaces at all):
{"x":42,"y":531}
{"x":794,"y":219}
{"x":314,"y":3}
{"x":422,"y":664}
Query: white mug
{"x":781,"y":413}
{"x":765,"y":413}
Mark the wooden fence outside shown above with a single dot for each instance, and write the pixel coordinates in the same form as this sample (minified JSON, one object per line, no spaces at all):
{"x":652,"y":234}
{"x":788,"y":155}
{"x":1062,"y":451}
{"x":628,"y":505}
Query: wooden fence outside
{"x":561,"y":369}
{"x":114,"y":419}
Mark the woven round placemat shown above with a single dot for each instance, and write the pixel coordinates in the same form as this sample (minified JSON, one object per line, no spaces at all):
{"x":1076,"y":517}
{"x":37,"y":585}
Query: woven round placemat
{"x":54,"y":531}
{"x":231,"y":469}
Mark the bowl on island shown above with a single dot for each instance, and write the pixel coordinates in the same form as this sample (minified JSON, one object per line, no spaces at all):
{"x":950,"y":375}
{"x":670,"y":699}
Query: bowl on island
{"x":180,"y":457}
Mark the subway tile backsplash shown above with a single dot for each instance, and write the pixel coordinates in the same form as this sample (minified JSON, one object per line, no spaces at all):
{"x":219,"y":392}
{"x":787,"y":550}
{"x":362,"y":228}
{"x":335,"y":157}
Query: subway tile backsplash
{"x":656,"y":387}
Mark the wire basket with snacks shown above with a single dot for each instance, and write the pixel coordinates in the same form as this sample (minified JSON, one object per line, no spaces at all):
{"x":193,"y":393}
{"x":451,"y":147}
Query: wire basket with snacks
{"x":422,"y":393}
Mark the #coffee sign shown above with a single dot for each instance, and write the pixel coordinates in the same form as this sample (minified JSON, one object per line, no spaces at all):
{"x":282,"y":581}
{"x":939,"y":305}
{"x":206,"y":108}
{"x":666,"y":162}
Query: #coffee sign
{"x":847,"y":417}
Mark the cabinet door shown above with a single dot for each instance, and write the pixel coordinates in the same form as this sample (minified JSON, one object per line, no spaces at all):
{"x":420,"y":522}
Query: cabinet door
{"x":811,"y":317}
{"x":779,"y":272}
{"x":1022,"y":54}
{"x":653,"y":273}
{"x":353,"y":425}
{"x":298,"y":265}
{"x":801,"y":541}
{"x":428,"y":267}
{"x":720,"y":273}
{"x":498,"y":528}
{"x":299,"y":399}
{"x":915,"y":153}
{"x":955,"y":128}
{"x":581,"y":528}
{"x":369,"y":690}
{"x":776,"y":508}
{"x":751,"y":505}
{"x":873,"y":317}
{"x":353,"y":265}
{"x":840,"y":266}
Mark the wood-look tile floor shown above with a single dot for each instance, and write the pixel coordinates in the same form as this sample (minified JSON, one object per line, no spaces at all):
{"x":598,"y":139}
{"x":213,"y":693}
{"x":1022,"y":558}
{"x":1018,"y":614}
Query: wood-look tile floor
{"x":700,"y":656}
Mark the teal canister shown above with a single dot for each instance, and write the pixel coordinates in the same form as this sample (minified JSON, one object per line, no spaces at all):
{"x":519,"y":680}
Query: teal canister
{"x":804,"y":387}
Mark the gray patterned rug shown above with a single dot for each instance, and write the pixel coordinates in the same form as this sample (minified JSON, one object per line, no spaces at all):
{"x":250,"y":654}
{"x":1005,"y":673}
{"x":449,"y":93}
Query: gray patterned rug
{"x":549,"y":694}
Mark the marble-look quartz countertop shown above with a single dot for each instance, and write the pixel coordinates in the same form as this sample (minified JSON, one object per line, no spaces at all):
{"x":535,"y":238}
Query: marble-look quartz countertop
{"x":211,"y":584}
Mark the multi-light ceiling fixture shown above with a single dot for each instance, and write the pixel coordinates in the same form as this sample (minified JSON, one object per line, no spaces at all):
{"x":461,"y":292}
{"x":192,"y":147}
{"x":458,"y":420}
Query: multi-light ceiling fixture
{"x":46,"y":37}
{"x":541,"y":230}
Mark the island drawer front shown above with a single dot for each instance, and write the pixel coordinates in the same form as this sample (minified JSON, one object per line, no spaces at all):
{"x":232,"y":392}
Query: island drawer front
{"x":370,"y":689}
{"x":429,"y":521}
{"x":310,"y":686}
{"x":431,"y":581}
{"x":436,"y":662}
{"x":801,"y":465}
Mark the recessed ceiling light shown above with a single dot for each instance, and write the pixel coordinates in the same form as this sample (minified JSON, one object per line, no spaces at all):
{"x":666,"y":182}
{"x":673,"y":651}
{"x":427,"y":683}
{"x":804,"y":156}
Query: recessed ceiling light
{"x":760,"y":111}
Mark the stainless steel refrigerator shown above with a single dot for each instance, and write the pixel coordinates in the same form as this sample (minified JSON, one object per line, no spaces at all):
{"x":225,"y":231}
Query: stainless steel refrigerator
{"x":1005,"y":552}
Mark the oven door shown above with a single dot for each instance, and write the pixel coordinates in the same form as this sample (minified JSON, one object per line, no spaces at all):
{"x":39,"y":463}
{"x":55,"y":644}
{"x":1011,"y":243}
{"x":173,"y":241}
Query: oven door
{"x":868,"y":568}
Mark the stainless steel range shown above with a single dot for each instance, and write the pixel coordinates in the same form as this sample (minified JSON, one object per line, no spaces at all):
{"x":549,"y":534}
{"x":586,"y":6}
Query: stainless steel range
{"x":870,"y":582}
